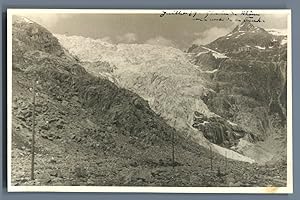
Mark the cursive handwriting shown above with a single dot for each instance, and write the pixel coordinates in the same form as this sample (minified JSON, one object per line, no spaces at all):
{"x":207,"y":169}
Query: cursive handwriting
{"x":178,"y":12}
{"x":217,"y":16}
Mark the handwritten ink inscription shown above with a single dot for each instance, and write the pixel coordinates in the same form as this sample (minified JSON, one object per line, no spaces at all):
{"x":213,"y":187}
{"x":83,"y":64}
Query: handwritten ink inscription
{"x":247,"y":16}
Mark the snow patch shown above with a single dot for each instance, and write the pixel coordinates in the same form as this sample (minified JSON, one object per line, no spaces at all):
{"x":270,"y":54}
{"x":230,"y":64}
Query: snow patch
{"x":277,"y":32}
{"x":284,"y":41}
{"x":205,"y":122}
{"x":215,"y":53}
{"x":211,"y":72}
{"x":232,"y":154}
{"x":219,"y":55}
{"x":27,"y":20}
{"x":240,"y":34}
{"x":203,"y":52}
{"x":259,"y":47}
{"x":231,"y":123}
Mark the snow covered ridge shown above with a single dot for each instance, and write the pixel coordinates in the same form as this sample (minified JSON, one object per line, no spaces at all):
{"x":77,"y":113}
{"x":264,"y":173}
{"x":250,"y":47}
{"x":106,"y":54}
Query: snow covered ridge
{"x":215,"y":53}
{"x":219,"y":55}
{"x":278,"y":32}
{"x":259,"y":47}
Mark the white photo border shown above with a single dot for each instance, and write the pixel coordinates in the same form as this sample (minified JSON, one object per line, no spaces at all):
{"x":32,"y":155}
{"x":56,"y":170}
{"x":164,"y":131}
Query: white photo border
{"x":146,"y":189}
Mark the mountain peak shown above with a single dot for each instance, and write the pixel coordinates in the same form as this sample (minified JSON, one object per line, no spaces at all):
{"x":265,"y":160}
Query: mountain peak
{"x":246,"y":26}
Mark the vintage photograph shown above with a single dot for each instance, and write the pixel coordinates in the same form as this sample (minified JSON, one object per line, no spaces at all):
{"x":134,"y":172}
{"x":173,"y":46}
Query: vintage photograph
{"x":184,"y":101}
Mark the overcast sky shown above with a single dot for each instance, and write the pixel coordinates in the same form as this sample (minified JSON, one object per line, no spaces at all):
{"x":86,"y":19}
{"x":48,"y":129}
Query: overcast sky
{"x":177,"y":31}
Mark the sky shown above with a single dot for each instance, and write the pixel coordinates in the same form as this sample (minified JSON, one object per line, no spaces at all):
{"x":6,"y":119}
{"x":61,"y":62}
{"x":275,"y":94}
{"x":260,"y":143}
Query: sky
{"x":179,"y":31}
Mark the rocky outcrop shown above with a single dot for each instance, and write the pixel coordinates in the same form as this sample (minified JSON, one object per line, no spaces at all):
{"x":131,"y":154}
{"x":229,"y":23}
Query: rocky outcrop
{"x":246,"y":35}
{"x":221,"y":131}
{"x":249,"y":86}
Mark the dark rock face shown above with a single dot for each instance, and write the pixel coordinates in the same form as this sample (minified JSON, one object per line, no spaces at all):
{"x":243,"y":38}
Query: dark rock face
{"x":244,"y":37}
{"x":204,"y":58}
{"x":249,"y":84}
{"x":247,"y":26}
{"x":219,"y":131}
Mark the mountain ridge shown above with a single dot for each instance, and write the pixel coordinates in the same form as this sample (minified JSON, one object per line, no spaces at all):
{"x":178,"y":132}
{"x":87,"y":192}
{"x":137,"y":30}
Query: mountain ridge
{"x":246,"y":26}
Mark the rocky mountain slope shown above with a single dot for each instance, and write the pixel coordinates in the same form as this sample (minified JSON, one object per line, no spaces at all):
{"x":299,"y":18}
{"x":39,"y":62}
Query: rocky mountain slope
{"x":225,"y":81}
{"x":250,"y":86}
{"x":161,"y":75}
{"x":164,"y":76}
{"x":91,"y":132}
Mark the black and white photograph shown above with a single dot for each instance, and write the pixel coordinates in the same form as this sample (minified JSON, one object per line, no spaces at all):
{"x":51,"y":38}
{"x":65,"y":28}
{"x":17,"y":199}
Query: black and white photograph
{"x":162,"y":101}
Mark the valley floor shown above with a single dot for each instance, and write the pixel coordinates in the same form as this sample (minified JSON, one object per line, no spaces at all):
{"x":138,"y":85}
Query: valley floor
{"x":59,"y":165}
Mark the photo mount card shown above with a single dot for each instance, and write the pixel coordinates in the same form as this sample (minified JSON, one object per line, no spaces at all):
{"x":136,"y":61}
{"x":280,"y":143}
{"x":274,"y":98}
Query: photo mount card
{"x":149,"y":101}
